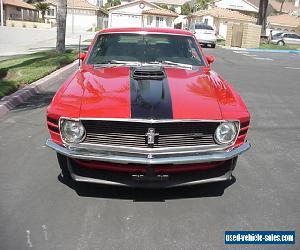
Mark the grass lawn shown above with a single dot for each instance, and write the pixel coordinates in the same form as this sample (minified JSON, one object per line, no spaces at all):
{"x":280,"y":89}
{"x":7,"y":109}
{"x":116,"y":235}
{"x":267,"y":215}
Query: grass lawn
{"x":96,"y":29}
{"x":88,"y":40}
{"x":277,"y":47}
{"x":221,"y":42}
{"x":19,"y":71}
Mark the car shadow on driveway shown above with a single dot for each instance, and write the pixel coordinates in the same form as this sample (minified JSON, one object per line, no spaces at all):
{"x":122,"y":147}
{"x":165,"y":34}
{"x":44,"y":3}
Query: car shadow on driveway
{"x":147,"y":195}
{"x":39,"y":100}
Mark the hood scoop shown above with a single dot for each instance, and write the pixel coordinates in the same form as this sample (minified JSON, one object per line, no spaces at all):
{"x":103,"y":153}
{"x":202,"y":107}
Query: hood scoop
{"x":148,"y":73}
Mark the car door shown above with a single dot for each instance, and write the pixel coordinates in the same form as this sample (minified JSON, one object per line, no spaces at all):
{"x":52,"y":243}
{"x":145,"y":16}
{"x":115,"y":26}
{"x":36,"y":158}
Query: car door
{"x":294,"y":39}
{"x":290,"y":38}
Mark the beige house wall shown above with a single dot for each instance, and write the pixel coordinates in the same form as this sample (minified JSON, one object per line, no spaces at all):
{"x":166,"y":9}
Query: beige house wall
{"x":15,"y":13}
{"x":251,"y":35}
{"x":217,"y":21}
{"x":278,"y":27}
{"x":28,"y":24}
{"x":229,"y":35}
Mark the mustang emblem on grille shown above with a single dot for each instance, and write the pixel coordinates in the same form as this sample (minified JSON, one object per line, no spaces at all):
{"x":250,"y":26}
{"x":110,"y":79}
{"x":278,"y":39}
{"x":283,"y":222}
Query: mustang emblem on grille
{"x":151,"y":136}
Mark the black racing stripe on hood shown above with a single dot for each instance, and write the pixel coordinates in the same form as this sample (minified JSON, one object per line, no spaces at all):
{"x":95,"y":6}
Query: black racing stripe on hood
{"x":150,"y":99}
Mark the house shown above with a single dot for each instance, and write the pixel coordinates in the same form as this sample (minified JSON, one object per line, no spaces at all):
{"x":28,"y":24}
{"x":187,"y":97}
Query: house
{"x":242,"y":6}
{"x":283,"y":22}
{"x":251,"y":7}
{"x":81,"y":15}
{"x":218,"y":18}
{"x":173,"y":4}
{"x":18,"y":10}
{"x":140,"y":13}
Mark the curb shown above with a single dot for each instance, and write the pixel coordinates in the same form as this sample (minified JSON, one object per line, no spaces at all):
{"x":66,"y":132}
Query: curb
{"x":7,"y":103}
{"x":264,"y":50}
{"x":275,"y":51}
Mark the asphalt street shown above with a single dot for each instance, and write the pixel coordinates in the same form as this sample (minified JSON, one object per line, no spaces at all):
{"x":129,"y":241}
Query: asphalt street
{"x":39,"y":211}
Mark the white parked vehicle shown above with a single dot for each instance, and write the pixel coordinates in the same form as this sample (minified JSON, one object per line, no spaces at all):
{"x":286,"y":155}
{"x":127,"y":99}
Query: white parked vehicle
{"x":205,"y":34}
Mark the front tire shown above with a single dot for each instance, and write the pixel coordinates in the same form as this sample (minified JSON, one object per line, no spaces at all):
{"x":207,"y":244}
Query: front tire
{"x":63,"y":164}
{"x":281,"y":43}
{"x":213,"y":45}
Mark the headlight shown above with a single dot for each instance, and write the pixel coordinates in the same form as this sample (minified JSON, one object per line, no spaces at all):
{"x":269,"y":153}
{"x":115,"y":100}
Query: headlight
{"x":226,"y":133}
{"x":72,"y":131}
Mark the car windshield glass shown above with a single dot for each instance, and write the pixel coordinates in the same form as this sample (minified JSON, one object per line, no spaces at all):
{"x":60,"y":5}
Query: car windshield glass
{"x":203,"y":27}
{"x":277,"y":35}
{"x":126,"y":48}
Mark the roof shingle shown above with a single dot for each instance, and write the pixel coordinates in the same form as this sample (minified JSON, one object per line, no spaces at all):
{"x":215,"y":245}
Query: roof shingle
{"x":225,"y":13}
{"x":287,"y":7}
{"x":284,"y":20}
{"x":160,"y":12}
{"x":79,"y":4}
{"x":19,"y":3}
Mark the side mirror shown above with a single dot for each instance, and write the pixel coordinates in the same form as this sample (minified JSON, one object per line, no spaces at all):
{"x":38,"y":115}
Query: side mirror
{"x":82,"y":56}
{"x":210,"y":59}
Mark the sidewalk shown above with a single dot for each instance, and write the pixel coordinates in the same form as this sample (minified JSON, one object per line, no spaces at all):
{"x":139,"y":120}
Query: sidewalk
{"x":16,"y":41}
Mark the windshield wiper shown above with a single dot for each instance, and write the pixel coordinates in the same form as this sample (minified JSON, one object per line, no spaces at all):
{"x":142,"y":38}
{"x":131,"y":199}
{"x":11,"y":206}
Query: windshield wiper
{"x":116,"y":63}
{"x":171,"y":63}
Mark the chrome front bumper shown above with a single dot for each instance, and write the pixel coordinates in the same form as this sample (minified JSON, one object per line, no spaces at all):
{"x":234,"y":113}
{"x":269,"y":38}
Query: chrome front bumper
{"x":207,"y":41}
{"x":149,"y":159}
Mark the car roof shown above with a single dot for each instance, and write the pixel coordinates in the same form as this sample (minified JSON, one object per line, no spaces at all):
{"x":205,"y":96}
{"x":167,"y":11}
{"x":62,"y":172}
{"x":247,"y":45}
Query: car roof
{"x":147,"y":30}
{"x":289,"y":33}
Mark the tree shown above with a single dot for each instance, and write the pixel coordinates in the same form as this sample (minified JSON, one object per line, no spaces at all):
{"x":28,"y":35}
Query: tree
{"x":163,"y":5}
{"x":61,"y":25}
{"x":172,"y":8}
{"x":282,"y":2}
{"x":111,"y":3}
{"x":202,"y":4}
{"x":42,"y":7}
{"x":186,"y":9}
{"x":262,"y":15}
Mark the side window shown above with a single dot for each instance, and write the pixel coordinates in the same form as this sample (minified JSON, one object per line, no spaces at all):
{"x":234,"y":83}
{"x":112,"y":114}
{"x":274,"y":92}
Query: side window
{"x":192,"y":50}
{"x":294,"y":36}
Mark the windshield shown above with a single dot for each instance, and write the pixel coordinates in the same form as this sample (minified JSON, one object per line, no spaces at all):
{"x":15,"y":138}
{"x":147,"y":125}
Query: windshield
{"x":277,"y":34}
{"x":203,"y":27}
{"x":145,"y":48}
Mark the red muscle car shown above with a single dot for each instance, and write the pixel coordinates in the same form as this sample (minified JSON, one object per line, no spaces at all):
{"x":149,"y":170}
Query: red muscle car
{"x":146,"y":110}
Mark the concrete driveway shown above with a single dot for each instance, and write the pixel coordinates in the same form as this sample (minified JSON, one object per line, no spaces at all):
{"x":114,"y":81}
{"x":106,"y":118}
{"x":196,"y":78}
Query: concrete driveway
{"x":39,"y":211}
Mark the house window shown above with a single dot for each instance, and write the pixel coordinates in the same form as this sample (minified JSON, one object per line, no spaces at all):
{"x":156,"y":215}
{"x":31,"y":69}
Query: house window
{"x":206,"y":20}
{"x":159,"y":21}
{"x":50,"y":12}
{"x":149,"y":20}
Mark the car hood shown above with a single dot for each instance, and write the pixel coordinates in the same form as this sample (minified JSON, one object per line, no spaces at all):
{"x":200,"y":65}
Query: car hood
{"x":112,"y":92}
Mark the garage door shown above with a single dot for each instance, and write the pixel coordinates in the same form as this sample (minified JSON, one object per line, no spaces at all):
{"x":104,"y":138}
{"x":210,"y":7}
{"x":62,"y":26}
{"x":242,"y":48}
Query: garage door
{"x":123,"y":20}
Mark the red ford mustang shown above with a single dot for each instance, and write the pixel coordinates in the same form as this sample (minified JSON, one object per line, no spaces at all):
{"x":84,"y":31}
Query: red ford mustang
{"x":146,"y":110}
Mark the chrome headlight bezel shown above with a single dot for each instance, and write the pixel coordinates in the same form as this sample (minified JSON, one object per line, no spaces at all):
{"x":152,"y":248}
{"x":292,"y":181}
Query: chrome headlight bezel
{"x":232,"y":126}
{"x":63,"y":122}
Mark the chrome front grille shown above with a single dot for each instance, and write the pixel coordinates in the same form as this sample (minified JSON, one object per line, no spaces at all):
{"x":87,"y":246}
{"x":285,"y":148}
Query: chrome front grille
{"x":133,"y":134}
